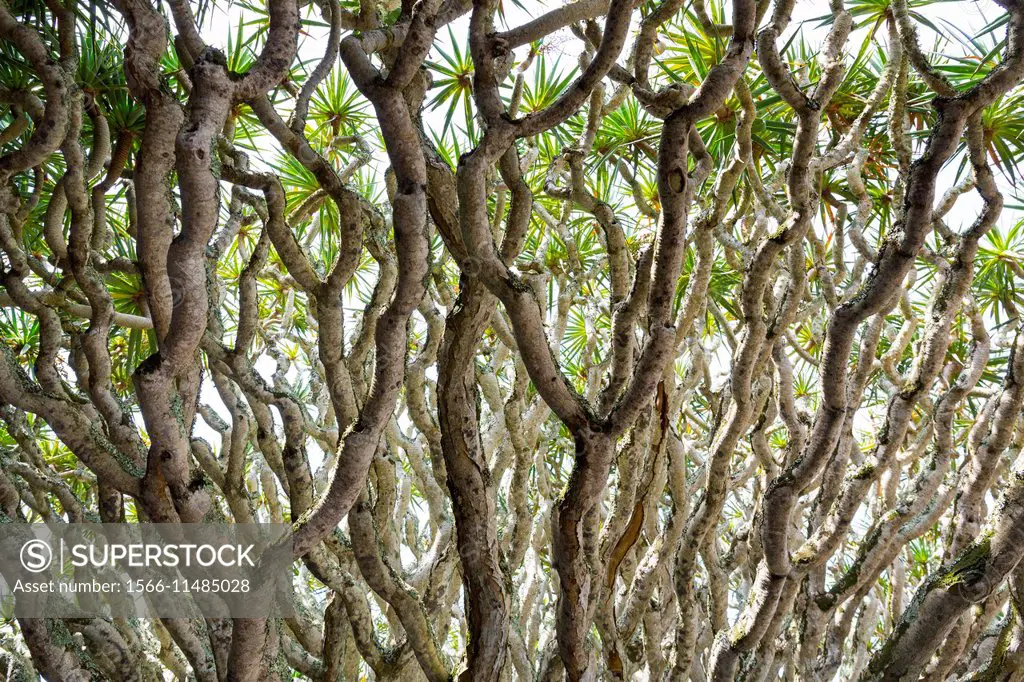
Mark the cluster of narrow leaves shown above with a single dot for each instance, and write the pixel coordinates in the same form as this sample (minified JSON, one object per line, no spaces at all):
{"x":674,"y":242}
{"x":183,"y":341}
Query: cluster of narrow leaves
{"x":628,"y":340}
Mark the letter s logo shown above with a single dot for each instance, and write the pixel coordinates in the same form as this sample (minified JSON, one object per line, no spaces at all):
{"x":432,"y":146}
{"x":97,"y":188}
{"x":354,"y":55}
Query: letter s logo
{"x":36,"y":556}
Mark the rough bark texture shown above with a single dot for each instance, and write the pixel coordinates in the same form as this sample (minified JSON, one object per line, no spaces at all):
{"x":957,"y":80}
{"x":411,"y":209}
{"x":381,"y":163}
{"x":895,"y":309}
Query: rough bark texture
{"x":691,"y":362}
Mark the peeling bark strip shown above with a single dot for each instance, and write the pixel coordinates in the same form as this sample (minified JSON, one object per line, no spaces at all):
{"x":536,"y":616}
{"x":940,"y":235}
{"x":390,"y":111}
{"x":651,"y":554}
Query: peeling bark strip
{"x":668,"y":367}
